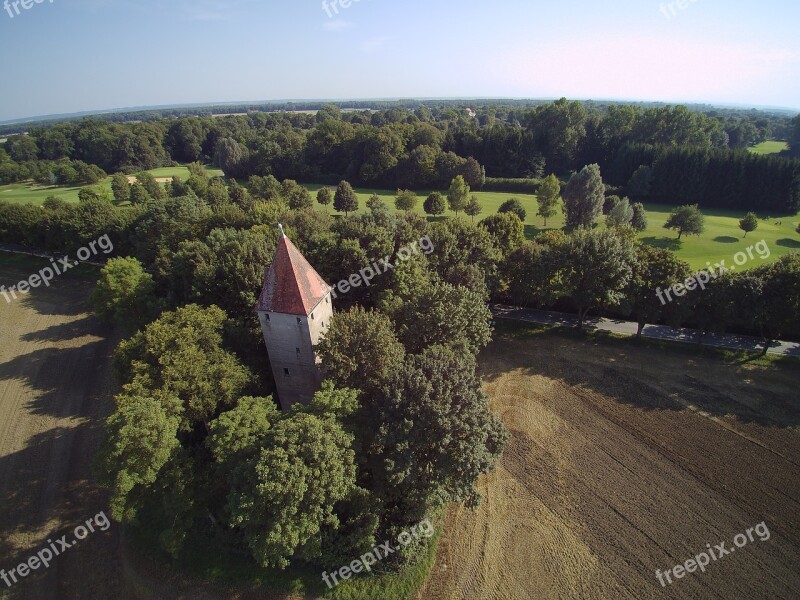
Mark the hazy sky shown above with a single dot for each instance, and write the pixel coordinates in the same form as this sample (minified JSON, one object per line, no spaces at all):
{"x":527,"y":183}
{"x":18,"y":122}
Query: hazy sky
{"x":73,"y":55}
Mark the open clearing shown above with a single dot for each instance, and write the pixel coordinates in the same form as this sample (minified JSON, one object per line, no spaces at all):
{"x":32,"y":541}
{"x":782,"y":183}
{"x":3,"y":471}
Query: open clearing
{"x":769,"y":147}
{"x":625,"y":460}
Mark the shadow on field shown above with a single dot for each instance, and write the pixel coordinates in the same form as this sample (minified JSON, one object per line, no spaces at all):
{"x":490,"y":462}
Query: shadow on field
{"x":25,"y":473}
{"x":52,"y":302}
{"x":663,"y":242}
{"x":788,"y":243}
{"x":67,"y":331}
{"x":531,"y":231}
{"x":58,"y":392}
{"x":644,"y":376}
{"x":726,"y":239}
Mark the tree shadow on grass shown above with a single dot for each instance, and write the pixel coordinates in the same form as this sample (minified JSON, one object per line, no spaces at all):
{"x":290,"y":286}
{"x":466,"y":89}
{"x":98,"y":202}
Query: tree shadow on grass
{"x":663,"y":242}
{"x":531,"y":231}
{"x":726,"y":239}
{"x":88,"y":326}
{"x":788,"y":243}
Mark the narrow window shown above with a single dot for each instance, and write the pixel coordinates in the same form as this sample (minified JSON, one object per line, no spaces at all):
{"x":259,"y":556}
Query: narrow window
{"x":286,"y":372}
{"x":312,"y":316}
{"x":266,"y":317}
{"x":298,"y":320}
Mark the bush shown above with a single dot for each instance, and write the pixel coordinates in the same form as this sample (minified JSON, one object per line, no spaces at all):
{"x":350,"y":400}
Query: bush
{"x":513,"y":206}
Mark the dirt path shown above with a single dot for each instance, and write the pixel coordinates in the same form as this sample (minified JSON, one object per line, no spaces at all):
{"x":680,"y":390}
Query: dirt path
{"x":54,"y":391}
{"x":622,"y":464}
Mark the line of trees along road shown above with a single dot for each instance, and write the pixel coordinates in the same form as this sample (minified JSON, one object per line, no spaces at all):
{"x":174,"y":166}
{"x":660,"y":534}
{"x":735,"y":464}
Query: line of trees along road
{"x":694,"y":157}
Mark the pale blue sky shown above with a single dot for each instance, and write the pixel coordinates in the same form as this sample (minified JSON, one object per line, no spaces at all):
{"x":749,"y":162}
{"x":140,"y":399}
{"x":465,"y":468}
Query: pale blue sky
{"x":74,"y":55}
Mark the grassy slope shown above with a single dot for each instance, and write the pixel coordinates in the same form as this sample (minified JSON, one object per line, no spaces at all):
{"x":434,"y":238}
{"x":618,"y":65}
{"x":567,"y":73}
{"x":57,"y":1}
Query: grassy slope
{"x":721,"y":240}
{"x":35,"y":194}
{"x":769,"y":147}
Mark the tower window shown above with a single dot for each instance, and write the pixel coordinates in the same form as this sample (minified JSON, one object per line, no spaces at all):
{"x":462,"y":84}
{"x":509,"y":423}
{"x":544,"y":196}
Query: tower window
{"x":266,"y":317}
{"x":312,"y":316}
{"x":298,"y":320}
{"x":286,"y":372}
{"x":297,"y":350}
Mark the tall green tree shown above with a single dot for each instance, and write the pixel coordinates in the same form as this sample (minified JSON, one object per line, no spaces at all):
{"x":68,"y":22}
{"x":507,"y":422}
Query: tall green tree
{"x":639,"y":219}
{"x":748,"y":223}
{"x":120,"y":188}
{"x":361,"y":350}
{"x":289,"y":492}
{"x":180,"y":357}
{"x":141,"y":437}
{"x":434,"y":204}
{"x":686,"y":220}
{"x":654,"y":269}
{"x":324,"y":196}
{"x":473,"y":207}
{"x":596,"y":268}
{"x":124,"y":293}
{"x":154,"y":189}
{"x":444,"y":314}
{"x":583,"y":197}
{"x":621,"y":214}
{"x":345,"y":199}
{"x":507,"y":230}
{"x":432,"y":435}
{"x":457,"y":194}
{"x":405,"y":200}
{"x":548,"y":197}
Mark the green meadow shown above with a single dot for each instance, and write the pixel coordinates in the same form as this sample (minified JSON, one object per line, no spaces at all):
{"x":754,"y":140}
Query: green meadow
{"x":720,"y":241}
{"x":36,"y":194}
{"x":769,"y":147}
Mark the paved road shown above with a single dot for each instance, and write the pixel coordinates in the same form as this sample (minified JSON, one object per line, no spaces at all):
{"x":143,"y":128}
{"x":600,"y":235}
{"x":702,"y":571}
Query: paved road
{"x":659,"y":332}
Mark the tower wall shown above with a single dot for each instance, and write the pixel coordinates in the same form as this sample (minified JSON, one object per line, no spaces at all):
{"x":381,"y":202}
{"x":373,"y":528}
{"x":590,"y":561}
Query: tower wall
{"x":291,"y":343}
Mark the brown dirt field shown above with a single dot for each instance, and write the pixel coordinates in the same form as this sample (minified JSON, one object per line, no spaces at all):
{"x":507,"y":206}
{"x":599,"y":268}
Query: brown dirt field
{"x":625,"y":460}
{"x":54,"y":396}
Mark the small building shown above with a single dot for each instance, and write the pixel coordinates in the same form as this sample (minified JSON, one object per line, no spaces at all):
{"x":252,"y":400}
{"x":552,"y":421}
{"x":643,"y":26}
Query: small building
{"x":295,"y":310}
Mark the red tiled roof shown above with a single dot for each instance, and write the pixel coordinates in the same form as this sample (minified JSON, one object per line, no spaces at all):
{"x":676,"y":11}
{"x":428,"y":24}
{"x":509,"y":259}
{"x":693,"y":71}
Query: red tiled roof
{"x":291,"y":285}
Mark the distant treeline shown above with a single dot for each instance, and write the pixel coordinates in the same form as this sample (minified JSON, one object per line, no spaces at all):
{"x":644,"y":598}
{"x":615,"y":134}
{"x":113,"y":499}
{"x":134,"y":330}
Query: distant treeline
{"x":174,"y":112}
{"x":693,"y":156}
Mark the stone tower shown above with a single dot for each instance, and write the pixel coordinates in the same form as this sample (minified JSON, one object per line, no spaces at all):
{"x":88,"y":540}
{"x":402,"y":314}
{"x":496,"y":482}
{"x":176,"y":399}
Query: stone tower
{"x":295,"y":311}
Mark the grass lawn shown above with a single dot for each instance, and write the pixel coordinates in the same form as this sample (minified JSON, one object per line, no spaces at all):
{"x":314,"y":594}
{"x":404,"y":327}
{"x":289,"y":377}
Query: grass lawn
{"x":36,"y":194}
{"x":721,"y":240}
{"x":769,"y":147}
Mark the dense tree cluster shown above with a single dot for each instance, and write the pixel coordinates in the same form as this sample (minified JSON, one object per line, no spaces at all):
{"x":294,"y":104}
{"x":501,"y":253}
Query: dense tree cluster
{"x":400,"y":428}
{"x":694,"y":156}
{"x":713,"y":178}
